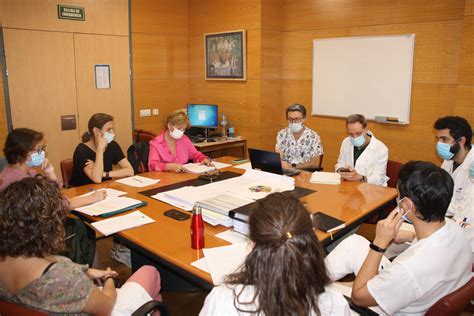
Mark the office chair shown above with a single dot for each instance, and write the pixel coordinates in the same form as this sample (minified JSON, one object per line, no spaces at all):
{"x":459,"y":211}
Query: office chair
{"x":454,"y":303}
{"x":141,"y":135}
{"x":66,"y":171}
{"x":392,"y":172}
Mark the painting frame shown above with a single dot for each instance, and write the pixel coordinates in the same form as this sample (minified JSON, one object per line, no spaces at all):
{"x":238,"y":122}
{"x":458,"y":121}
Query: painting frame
{"x":225,"y":55}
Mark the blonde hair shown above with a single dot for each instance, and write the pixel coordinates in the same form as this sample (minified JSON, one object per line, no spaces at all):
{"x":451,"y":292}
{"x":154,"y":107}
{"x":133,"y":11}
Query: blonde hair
{"x":177,"y":117}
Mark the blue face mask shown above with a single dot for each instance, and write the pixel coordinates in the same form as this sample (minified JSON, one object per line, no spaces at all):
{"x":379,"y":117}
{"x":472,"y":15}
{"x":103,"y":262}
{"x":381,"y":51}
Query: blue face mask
{"x":358,"y":141}
{"x":444,"y":151}
{"x":109,"y":137}
{"x":36,"y":159}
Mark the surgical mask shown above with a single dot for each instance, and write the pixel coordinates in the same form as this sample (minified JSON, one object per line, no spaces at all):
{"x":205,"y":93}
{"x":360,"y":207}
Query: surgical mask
{"x":177,"y":133}
{"x":447,"y":151}
{"x":357,"y":141}
{"x":36,"y":159}
{"x":400,"y":209}
{"x":109,"y":137}
{"x":295,"y":127}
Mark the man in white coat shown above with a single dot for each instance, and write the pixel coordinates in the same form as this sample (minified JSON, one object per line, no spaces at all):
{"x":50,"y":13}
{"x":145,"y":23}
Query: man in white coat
{"x":362,"y":157}
{"x":454,"y":136}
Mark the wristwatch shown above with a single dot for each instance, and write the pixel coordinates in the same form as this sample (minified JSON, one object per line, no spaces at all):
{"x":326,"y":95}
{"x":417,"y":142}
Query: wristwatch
{"x":293,"y":165}
{"x":364,"y":179}
{"x":377,"y":248}
{"x":107,"y":174}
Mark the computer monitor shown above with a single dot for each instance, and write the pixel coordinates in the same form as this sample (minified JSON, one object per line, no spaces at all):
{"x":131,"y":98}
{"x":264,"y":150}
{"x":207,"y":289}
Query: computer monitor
{"x":203,"y":115}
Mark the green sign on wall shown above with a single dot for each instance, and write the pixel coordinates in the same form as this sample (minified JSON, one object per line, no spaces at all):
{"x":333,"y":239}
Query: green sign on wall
{"x":71,"y":13}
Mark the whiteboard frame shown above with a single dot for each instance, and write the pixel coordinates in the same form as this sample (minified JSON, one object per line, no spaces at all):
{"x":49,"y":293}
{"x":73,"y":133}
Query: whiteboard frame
{"x":410,"y":76}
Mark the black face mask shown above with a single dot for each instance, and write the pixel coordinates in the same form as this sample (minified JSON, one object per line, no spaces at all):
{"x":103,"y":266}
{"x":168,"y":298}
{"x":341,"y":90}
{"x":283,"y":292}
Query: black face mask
{"x":455,"y":148}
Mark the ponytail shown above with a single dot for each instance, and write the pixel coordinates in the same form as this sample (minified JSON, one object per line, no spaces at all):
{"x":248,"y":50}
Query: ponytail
{"x":86,"y":137}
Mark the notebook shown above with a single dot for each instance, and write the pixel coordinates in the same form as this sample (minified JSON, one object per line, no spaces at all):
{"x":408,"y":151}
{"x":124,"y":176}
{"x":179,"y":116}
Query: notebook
{"x":327,"y":223}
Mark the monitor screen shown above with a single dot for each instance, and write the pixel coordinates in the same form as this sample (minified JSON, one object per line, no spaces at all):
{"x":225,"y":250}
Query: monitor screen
{"x":203,"y":115}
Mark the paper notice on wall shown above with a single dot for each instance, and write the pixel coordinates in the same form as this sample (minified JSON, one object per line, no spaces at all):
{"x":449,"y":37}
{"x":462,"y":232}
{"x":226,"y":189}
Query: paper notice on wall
{"x":102,"y":76}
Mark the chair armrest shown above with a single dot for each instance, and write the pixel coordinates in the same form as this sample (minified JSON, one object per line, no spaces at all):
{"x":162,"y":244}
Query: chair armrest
{"x":365,"y":311}
{"x":149,"y":307}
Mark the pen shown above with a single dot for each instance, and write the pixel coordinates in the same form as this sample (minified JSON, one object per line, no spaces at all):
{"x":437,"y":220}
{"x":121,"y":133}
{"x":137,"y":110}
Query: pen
{"x":137,"y":180}
{"x":91,"y":189}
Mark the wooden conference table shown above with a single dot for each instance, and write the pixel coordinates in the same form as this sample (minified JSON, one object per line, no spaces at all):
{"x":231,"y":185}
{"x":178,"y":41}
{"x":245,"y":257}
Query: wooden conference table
{"x":167,"y":243}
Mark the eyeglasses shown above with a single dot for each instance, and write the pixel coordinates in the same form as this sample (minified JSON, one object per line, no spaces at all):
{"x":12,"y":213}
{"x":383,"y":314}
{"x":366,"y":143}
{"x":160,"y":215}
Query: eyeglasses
{"x":295,"y":120}
{"x":40,"y":150}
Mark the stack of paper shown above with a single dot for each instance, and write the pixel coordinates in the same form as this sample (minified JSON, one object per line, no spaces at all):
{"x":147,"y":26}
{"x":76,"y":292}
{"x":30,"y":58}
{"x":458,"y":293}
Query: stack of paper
{"x":109,"y":192}
{"x":198,"y":168}
{"x":138,"y":181}
{"x":325,"y":178}
{"x":116,"y":224}
{"x":109,"y":205}
{"x":223,"y":203}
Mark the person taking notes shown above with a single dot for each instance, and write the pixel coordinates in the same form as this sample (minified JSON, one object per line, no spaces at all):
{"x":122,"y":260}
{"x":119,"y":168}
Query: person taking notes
{"x":362,"y":156}
{"x":437,"y":264}
{"x":299,"y":146}
{"x":94,"y":158}
{"x":171,"y":149}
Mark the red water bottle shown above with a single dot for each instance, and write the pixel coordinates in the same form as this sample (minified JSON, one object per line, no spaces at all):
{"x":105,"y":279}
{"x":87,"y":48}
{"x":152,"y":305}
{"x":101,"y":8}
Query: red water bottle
{"x":197,"y":229}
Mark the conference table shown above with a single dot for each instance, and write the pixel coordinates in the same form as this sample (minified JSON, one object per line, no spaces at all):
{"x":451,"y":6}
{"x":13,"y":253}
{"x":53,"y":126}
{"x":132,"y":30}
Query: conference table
{"x":166,"y":243}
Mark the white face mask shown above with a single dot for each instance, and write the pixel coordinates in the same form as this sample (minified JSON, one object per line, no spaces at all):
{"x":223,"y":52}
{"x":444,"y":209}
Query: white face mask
{"x":295,"y":127}
{"x":109,"y":137}
{"x":176,"y":133}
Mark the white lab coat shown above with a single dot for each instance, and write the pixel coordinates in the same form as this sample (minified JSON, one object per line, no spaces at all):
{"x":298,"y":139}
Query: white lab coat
{"x":372,"y":163}
{"x":462,"y":202}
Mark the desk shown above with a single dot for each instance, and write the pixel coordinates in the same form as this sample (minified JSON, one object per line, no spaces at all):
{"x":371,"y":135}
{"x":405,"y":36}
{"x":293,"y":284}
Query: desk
{"x":168,"y":241}
{"x":224,"y":147}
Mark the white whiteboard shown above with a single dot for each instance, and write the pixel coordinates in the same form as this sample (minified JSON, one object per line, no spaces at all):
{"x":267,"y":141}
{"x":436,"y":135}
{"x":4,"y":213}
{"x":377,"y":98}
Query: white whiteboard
{"x":367,"y":75}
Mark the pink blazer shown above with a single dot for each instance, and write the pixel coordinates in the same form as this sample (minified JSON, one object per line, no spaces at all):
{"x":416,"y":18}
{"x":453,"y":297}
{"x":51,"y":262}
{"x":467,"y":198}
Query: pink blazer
{"x":160,"y":154}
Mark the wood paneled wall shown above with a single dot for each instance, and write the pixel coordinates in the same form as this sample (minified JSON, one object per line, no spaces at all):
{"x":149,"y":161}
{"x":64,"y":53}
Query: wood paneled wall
{"x":160,"y":59}
{"x":3,"y":113}
{"x":443,"y":78}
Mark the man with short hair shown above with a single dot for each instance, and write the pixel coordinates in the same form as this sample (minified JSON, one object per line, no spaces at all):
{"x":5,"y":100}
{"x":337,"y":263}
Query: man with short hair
{"x":299,"y":146}
{"x":454,"y":136}
{"x":437,"y":264}
{"x":362,"y":157}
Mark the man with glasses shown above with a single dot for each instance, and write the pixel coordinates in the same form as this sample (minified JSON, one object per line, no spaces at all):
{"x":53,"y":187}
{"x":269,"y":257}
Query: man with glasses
{"x":362,"y":157}
{"x":437,"y":264}
{"x":299,"y":147}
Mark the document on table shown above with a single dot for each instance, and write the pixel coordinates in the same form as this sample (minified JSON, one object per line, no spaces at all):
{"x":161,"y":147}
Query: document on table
{"x":198,"y":168}
{"x":110,"y":204}
{"x":325,"y":178}
{"x":225,"y":260}
{"x":201,"y":264}
{"x":138,"y":181}
{"x":116,"y":224}
{"x":110,"y":192}
{"x":232,"y":236}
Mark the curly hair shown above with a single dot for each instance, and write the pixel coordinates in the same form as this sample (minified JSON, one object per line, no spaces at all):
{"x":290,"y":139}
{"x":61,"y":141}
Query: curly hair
{"x":458,"y":127}
{"x":19,"y":143}
{"x":32,"y":213}
{"x":286,"y":266}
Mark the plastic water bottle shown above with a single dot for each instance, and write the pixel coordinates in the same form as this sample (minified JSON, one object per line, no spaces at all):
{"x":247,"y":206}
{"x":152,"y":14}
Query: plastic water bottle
{"x":197,"y":229}
{"x":231,"y":130}
{"x":224,"y":124}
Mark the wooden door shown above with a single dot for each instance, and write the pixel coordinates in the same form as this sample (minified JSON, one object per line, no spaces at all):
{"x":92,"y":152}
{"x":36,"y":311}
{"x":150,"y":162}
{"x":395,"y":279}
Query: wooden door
{"x":94,"y":50}
{"x":41,"y":79}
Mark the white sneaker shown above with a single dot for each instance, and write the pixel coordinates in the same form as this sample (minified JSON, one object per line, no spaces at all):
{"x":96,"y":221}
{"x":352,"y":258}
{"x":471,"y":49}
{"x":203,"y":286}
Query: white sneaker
{"x":121,"y":254}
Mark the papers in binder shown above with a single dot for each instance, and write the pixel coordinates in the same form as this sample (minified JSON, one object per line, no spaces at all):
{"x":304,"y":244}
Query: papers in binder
{"x":138,"y":181}
{"x":225,"y":260}
{"x":110,"y":205}
{"x":116,"y":224}
{"x":325,"y":178}
{"x":223,"y":203}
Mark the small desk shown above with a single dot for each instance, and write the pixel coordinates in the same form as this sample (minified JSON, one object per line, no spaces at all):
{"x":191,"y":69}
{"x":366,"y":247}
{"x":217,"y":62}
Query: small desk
{"x":223,"y":147}
{"x":167,"y":243}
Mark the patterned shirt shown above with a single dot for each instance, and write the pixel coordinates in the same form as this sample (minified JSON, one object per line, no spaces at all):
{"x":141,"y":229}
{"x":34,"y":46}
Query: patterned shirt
{"x":302,"y":150}
{"x":64,"y":288}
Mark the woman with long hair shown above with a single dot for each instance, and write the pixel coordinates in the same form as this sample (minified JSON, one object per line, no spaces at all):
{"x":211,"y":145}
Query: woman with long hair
{"x":171,"y":149}
{"x":32,"y":273}
{"x":284,"y":274}
{"x":95,"y":157}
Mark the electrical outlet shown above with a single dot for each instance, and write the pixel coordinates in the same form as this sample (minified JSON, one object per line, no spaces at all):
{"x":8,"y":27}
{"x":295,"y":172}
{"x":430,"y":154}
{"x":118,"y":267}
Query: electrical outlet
{"x":156,"y":111}
{"x":144,"y":113}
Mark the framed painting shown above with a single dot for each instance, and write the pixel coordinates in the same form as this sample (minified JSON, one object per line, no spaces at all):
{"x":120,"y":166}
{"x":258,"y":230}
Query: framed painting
{"x":225,"y":55}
